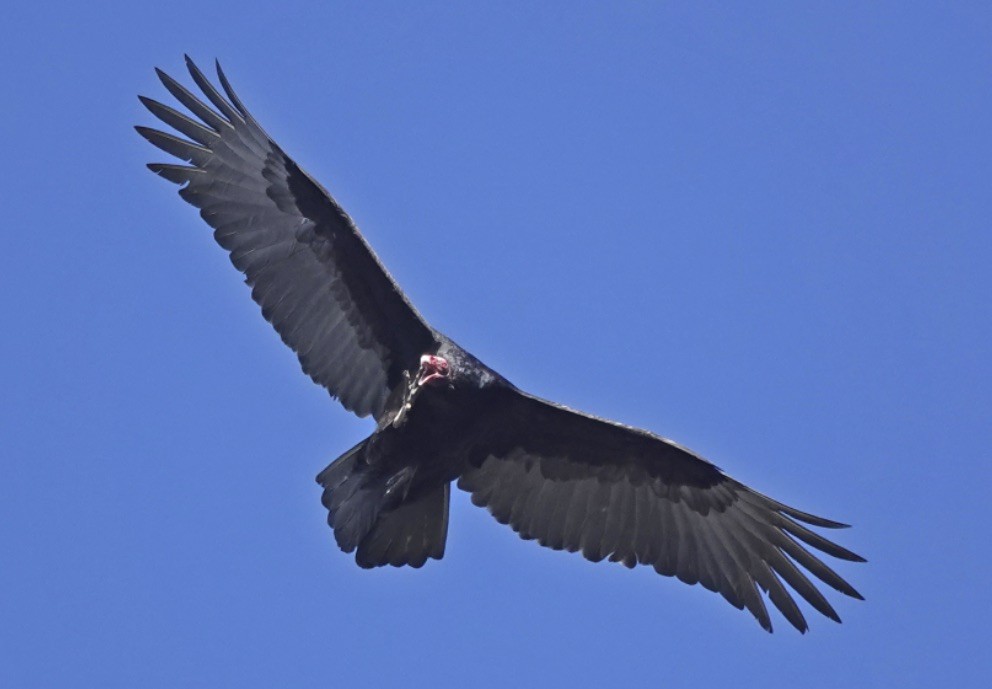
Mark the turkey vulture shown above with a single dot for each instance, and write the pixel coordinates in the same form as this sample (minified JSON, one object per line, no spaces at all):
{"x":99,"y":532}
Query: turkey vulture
{"x":567,"y":479}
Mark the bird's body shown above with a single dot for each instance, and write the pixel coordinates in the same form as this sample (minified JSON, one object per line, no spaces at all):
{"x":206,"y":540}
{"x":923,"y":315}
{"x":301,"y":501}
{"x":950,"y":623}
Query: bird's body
{"x":566,"y":479}
{"x":422,"y":442}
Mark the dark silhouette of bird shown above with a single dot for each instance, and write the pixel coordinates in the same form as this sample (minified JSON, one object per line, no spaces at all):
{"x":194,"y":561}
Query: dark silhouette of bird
{"x":569,"y":480}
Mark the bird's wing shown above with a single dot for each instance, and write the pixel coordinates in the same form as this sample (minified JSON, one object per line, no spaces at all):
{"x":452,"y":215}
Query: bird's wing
{"x":317,"y":281}
{"x":578,"y":483}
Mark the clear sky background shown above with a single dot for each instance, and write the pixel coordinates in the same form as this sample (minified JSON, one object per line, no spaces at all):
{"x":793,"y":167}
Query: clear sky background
{"x":762,"y":232}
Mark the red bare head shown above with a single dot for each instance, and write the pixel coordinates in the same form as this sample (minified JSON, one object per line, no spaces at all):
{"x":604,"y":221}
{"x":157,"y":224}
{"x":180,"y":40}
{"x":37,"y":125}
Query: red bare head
{"x":433,"y":370}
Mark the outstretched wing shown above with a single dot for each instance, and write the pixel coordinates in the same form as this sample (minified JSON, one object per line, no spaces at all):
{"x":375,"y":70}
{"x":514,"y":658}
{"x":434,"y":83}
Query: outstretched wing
{"x":578,"y":483}
{"x":317,"y":281}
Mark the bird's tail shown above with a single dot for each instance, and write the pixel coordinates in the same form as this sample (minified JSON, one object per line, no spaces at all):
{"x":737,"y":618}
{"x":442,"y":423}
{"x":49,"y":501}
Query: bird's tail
{"x":375,"y":514}
{"x":352,"y":497}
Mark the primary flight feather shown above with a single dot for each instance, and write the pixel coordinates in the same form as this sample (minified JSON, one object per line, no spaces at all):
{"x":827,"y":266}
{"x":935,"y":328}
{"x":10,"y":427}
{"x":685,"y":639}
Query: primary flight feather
{"x":569,"y":480}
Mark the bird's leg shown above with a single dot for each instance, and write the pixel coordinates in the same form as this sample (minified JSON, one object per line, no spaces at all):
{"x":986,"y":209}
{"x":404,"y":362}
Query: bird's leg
{"x":407,"y":400}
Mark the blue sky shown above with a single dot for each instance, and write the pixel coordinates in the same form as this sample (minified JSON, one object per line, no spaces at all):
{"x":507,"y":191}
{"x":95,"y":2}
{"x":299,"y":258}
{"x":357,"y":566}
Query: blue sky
{"x":763,"y":232}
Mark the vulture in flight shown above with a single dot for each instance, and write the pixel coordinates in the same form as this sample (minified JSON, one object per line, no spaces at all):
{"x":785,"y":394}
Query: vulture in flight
{"x":569,"y":480}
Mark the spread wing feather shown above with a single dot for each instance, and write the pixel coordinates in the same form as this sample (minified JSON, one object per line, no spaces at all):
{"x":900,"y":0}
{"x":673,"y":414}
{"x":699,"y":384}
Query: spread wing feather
{"x":316,"y":279}
{"x":578,"y":483}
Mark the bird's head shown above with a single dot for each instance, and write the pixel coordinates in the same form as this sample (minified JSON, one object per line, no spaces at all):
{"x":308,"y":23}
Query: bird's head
{"x":434,"y":370}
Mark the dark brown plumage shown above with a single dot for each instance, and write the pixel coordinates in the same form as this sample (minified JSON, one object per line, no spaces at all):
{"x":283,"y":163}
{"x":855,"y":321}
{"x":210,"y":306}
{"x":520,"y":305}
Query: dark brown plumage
{"x":568,"y":480}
